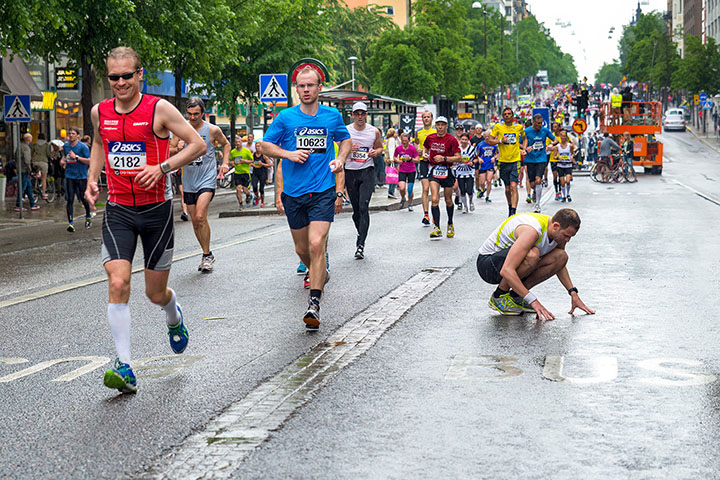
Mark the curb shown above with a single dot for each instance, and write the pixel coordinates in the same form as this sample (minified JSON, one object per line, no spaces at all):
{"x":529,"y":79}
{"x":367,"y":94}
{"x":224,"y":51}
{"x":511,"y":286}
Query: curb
{"x":703,"y":140}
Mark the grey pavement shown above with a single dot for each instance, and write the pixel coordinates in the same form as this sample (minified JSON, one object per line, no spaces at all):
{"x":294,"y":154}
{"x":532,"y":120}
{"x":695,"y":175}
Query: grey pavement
{"x":398,"y":383}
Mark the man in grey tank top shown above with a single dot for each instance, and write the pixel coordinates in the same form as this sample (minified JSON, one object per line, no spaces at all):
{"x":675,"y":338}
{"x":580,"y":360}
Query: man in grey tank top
{"x":367,"y":144}
{"x":199,"y":177}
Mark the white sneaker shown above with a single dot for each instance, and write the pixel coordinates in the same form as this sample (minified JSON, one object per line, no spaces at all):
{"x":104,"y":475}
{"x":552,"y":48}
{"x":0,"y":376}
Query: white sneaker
{"x":472,"y":207}
{"x":464,"y":209}
{"x":537,"y":208}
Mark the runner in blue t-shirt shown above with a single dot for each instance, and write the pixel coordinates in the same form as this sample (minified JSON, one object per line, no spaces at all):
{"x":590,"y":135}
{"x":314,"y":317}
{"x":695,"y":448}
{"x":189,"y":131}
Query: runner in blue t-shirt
{"x":76,"y":161}
{"x":487,"y":156}
{"x":310,"y":189}
{"x":536,"y":158}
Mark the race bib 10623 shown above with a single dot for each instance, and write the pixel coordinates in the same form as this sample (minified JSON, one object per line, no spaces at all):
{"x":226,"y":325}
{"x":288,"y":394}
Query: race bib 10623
{"x":314,"y":139}
{"x":127,"y":158}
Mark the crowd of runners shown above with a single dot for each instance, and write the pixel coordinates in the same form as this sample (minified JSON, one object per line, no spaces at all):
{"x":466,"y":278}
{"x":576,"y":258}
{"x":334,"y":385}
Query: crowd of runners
{"x":140,"y":140}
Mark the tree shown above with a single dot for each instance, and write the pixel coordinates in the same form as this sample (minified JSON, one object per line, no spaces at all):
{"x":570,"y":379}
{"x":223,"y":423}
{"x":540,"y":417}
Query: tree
{"x":700,"y":69}
{"x":609,"y":73}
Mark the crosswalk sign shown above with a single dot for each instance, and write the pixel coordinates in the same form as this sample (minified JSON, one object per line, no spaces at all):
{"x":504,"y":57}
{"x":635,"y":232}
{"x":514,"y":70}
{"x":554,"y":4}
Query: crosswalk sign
{"x":273,"y":87}
{"x":17,"y":108}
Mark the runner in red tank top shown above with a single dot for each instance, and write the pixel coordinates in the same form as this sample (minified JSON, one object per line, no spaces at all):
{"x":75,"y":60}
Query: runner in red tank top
{"x":131,"y":140}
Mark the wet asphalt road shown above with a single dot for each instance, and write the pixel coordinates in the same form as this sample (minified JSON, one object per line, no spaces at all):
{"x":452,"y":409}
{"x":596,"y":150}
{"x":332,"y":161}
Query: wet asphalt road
{"x":449,"y":390}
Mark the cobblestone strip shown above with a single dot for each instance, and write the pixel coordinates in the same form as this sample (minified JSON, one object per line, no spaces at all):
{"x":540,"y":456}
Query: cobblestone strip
{"x":229,"y":438}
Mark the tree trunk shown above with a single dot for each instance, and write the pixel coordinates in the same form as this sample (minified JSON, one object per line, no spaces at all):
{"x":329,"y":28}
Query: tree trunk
{"x":86,"y":100}
{"x":232,"y":128}
{"x":178,"y":88}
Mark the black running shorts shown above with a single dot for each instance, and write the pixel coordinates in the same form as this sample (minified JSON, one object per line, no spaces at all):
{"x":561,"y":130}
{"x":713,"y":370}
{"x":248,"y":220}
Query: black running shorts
{"x":535,"y":170}
{"x":152,"y":223}
{"x":191,"y":198}
{"x":423,"y":169}
{"x":489,"y":266}
{"x":509,"y":172}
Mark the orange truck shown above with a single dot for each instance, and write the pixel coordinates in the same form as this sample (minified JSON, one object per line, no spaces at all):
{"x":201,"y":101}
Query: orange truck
{"x":643,"y":122}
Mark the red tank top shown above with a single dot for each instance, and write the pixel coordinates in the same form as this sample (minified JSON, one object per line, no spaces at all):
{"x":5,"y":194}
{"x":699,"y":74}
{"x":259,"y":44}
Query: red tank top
{"x":130,"y":143}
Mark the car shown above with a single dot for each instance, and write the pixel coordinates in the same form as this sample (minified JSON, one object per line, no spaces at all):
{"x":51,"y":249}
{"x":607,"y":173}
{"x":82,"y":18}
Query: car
{"x":674,"y":119}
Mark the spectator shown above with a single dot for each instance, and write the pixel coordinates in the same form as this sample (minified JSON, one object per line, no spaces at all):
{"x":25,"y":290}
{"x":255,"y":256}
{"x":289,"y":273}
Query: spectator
{"x":615,"y":107}
{"x":41,"y":160}
{"x":56,"y":169}
{"x":24,"y":184}
{"x":627,"y":98}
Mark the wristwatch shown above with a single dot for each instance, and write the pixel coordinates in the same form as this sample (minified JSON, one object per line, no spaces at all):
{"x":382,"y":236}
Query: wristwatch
{"x":339,"y":194}
{"x":573,"y":289}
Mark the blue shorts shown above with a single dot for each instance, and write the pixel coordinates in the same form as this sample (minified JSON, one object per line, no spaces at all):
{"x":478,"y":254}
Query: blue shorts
{"x":311,"y":207}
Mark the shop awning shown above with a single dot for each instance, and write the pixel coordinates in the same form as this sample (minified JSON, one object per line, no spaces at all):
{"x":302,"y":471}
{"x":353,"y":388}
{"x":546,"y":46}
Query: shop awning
{"x":343,"y":99}
{"x":16,"y":80}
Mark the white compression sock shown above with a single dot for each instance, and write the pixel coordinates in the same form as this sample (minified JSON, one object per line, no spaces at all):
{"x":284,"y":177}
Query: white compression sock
{"x":538,"y":193}
{"x":568,"y":188}
{"x":563,"y":189}
{"x":119,"y":319}
{"x":172,"y":317}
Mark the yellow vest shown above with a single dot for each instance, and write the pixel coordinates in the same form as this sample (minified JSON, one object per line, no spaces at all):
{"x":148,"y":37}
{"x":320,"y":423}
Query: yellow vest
{"x":616,"y":100}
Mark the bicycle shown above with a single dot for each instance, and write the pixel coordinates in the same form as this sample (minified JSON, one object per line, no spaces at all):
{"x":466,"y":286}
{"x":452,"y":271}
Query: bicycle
{"x":50,"y":188}
{"x":620,"y":171}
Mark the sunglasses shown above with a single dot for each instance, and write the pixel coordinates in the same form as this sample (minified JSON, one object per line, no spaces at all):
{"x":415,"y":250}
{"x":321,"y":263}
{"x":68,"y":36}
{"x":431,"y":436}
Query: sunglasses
{"x":124,"y":76}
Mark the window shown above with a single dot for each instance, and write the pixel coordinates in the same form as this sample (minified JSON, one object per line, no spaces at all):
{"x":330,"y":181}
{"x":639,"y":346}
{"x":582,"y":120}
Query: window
{"x":390,"y":10}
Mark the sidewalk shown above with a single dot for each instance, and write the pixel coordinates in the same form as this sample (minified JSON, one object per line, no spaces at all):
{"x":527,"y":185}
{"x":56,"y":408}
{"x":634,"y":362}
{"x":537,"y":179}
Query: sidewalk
{"x":50,"y":213}
{"x":706,"y":141}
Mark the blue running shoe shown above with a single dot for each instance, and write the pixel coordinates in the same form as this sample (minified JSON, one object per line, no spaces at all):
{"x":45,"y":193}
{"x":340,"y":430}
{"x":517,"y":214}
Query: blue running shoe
{"x":121,"y":377}
{"x":178,"y":335}
{"x":301,"y":268}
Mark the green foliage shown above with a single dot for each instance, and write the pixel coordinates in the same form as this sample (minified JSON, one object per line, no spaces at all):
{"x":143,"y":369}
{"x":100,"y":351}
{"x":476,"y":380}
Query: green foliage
{"x":700,"y":69}
{"x":609,"y":73}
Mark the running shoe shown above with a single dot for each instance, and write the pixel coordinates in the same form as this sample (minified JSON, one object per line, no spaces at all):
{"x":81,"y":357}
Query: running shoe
{"x":184,"y":217}
{"x":544,"y":182}
{"x":537,"y":208}
{"x":306,"y":280}
{"x":248,"y":198}
{"x":533,"y":197}
{"x":121,"y":377}
{"x":410,"y":209}
{"x":312,"y":315}
{"x":464,"y":209}
{"x":402,"y":203}
{"x":178,"y":334}
{"x":436,"y":233}
{"x":426,"y":220}
{"x":479,"y":194}
{"x":460,"y":207}
{"x":472,"y":207}
{"x":505,"y":305}
{"x":487,"y":200}
{"x":262,"y":204}
{"x":569,"y":198}
{"x":520,"y":302}
{"x":255,"y":202}
{"x":206,"y":265}
{"x":360,"y":252}
{"x":557,"y":196}
{"x":327,"y":276}
{"x":528,"y":199}
{"x":70,"y":227}
{"x":563,"y":199}
{"x":301,"y":268}
{"x":392,"y":195}
{"x":450,"y":231}
{"x":88,"y":223}
{"x":17,"y":209}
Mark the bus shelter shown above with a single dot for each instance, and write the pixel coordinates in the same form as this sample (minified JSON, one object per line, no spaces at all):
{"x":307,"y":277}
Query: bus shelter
{"x":383,"y":112}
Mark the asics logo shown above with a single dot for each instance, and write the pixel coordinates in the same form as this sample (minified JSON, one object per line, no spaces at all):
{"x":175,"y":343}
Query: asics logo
{"x":310,"y":131}
{"x":126,"y":147}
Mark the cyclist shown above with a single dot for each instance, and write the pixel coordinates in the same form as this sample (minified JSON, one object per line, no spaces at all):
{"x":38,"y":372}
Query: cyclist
{"x":524,"y":251}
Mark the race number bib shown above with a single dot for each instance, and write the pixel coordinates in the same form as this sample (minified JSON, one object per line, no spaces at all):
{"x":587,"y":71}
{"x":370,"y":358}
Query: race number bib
{"x":362,"y":154}
{"x":198,"y":161}
{"x":127,"y":158}
{"x":538,"y":145}
{"x":440,"y":172}
{"x":564,"y":157}
{"x":314,"y":139}
{"x":510,"y":138}
{"x":466,"y":159}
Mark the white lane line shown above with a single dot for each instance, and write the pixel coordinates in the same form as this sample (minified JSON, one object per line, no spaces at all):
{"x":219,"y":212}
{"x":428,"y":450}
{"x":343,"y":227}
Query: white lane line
{"x":139,"y":268}
{"x":699,"y":193}
{"x":218,"y":450}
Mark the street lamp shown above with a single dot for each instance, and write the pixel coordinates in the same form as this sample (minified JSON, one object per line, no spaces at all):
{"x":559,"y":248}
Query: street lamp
{"x":352,"y":69}
{"x":480,"y":5}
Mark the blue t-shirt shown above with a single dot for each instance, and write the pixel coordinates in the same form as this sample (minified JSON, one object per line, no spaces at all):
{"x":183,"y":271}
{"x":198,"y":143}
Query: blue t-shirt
{"x":486,"y":153}
{"x":536,"y":140}
{"x":76,"y":169}
{"x":293,"y":130}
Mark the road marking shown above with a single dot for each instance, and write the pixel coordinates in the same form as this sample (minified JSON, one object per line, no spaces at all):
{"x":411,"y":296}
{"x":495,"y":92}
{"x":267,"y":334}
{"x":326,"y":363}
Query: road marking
{"x":101,"y":278}
{"x":218,"y":450}
{"x":604,"y":367}
{"x":95,"y":362}
{"x":469,"y":366}
{"x":699,"y":193}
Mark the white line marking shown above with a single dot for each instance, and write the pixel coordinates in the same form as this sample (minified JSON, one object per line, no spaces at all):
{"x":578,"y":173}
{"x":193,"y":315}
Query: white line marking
{"x":218,"y":450}
{"x":699,"y":193}
{"x":101,"y":278}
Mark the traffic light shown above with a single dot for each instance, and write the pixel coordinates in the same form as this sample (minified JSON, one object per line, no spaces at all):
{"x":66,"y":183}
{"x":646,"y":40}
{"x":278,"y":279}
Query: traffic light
{"x":267,"y":115}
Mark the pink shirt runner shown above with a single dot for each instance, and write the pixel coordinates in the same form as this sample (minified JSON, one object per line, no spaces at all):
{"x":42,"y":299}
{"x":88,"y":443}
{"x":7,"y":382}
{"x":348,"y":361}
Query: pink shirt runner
{"x":406,"y":167}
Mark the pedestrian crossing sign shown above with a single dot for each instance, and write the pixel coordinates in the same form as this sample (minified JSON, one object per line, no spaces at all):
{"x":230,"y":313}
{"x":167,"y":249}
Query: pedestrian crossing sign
{"x":273,"y":87}
{"x":17,"y":108}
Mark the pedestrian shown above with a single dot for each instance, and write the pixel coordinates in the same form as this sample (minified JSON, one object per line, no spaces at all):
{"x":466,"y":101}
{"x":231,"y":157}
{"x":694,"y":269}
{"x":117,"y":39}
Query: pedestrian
{"x":424,"y":165}
{"x":310,"y":189}
{"x":524,"y":251}
{"x":24,"y":184}
{"x":367,"y":144}
{"x":441,"y":150}
{"x":407,"y":156}
{"x":628,"y":148}
{"x":131,"y":138}
{"x":199,"y":177}
{"x":41,"y":153}
{"x":510,"y":138}
{"x":76,"y":158}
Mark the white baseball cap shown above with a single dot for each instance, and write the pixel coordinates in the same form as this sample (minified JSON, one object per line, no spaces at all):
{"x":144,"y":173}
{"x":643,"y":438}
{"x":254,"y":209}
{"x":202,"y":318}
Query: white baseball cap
{"x":359,"y":106}
{"x":441,"y":119}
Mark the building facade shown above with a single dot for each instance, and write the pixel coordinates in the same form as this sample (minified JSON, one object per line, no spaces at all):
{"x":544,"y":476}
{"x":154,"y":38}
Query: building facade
{"x":693,"y":21}
{"x":398,"y":10}
{"x":712,"y":19}
{"x":676,"y":8}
